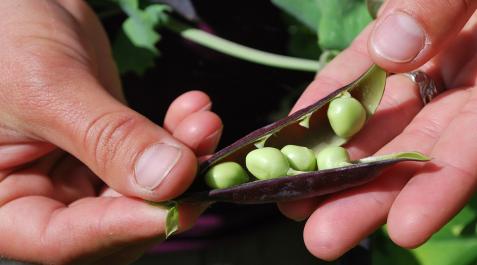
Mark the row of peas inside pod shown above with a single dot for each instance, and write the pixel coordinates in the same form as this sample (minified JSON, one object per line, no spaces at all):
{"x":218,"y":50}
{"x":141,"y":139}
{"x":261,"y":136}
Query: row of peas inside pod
{"x":346,"y":116}
{"x":300,"y":156}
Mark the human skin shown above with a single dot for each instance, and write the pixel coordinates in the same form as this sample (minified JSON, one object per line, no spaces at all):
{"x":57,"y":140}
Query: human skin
{"x":415,"y":201}
{"x":76,"y":164}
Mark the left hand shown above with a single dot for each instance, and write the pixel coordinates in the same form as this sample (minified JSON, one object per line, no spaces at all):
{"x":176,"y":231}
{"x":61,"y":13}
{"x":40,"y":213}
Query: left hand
{"x":67,"y":140}
{"x":414,"y":200}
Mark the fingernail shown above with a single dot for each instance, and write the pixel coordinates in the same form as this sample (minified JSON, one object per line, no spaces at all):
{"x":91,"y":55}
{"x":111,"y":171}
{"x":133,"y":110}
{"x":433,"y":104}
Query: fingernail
{"x":399,"y":38}
{"x":155,"y":164}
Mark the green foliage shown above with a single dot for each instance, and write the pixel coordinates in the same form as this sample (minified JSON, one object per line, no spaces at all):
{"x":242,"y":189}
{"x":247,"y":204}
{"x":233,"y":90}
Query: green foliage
{"x":373,"y":7}
{"x":135,"y":46}
{"x":335,"y":22}
{"x":303,"y":40}
{"x":454,"y":244}
{"x":340,"y":22}
{"x":305,"y":11}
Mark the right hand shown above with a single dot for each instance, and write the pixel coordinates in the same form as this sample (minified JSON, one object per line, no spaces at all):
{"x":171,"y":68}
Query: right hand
{"x":67,"y":143}
{"x":414,"y":200}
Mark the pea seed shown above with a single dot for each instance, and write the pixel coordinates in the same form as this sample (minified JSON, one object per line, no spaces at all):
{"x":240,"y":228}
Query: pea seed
{"x":300,"y":157}
{"x":346,"y":115}
{"x":333,"y":157}
{"x":267,"y":163}
{"x":226,"y":175}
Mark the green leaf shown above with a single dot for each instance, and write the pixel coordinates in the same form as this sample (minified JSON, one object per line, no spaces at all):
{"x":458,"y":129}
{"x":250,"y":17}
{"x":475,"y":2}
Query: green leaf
{"x":454,"y":251}
{"x":386,"y":252}
{"x":454,"y":244}
{"x":130,"y":58}
{"x":172,"y":218}
{"x":135,"y":47}
{"x":373,"y":7}
{"x":305,"y":11}
{"x":140,"y":26}
{"x":340,"y":22}
{"x":463,"y":224}
{"x":303,"y":41}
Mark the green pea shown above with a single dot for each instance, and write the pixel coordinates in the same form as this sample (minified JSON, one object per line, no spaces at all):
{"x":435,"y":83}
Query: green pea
{"x":333,"y":157}
{"x":226,"y":175}
{"x":267,"y":163}
{"x":346,"y":115}
{"x":300,"y":157}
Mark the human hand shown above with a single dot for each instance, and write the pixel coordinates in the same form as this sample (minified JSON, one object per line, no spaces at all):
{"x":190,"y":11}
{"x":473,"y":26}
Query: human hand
{"x":414,"y":200}
{"x":59,"y":89}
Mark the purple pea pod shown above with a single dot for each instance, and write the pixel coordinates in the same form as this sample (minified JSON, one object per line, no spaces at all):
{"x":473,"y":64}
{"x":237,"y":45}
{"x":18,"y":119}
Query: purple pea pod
{"x":311,"y":128}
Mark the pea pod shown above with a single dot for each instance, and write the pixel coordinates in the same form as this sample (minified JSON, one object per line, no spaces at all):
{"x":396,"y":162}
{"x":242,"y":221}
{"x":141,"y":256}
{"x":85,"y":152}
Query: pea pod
{"x":309,"y":127}
{"x":308,"y":184}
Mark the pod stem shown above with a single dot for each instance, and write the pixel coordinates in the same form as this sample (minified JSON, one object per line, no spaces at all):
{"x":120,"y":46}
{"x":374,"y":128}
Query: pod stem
{"x":240,"y":51}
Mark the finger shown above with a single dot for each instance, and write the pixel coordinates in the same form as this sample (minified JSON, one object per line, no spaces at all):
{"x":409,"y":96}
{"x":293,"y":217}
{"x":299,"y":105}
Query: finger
{"x":329,"y":233}
{"x":30,"y":181}
{"x":328,"y":80}
{"x":437,"y":192}
{"x":409,"y":33}
{"x":342,"y":70}
{"x":123,"y":148}
{"x":82,"y":232}
{"x":401,"y":102}
{"x":56,"y":176}
{"x":131,"y":253}
{"x":183,"y":106}
{"x":73,"y":180}
{"x":457,"y":64}
{"x":12,"y":155}
{"x":200,"y":131}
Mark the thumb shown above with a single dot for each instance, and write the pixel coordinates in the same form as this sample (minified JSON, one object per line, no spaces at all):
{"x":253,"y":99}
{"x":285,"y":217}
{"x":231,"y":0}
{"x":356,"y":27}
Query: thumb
{"x":128,"y":152}
{"x":408,"y":33}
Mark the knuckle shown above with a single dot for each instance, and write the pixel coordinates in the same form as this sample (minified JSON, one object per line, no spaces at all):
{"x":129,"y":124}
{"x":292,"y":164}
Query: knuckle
{"x":105,"y":136}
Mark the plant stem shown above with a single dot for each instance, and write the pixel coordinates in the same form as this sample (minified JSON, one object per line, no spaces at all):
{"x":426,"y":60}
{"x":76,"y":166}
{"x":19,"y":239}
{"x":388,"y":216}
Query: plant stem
{"x":240,"y":51}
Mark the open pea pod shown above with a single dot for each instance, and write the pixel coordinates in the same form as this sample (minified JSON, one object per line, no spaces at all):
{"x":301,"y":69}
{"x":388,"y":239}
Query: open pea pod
{"x":311,"y":128}
{"x":308,"y":184}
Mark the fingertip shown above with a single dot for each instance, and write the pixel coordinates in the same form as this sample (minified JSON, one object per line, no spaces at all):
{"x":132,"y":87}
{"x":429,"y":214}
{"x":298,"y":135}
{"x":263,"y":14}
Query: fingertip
{"x":406,"y":230}
{"x":407,"y":34}
{"x":320,"y":240}
{"x":184,"y":105}
{"x":165,"y":170}
{"x":396,"y":41}
{"x":200,"y":131}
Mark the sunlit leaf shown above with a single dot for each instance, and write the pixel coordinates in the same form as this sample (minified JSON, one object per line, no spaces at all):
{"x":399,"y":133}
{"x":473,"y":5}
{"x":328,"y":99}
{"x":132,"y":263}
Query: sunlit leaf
{"x":305,"y":11}
{"x":340,"y":22}
{"x":135,"y":47}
